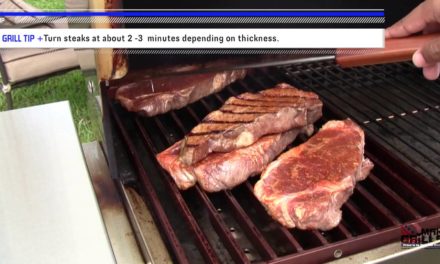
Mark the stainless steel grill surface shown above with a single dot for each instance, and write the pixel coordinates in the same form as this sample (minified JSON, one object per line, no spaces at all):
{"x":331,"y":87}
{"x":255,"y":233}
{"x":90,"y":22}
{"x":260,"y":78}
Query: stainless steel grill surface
{"x":396,"y":107}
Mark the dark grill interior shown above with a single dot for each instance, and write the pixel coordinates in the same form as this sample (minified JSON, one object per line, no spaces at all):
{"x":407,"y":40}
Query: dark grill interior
{"x":232,"y":226}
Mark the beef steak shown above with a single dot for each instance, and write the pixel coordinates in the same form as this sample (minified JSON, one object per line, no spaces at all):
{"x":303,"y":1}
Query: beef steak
{"x":243,"y":119}
{"x":307,"y":185}
{"x":158,"y":95}
{"x":220,"y":171}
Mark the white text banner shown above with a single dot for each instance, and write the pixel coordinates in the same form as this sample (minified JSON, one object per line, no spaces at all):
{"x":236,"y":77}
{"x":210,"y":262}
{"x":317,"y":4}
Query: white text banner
{"x":168,"y":38}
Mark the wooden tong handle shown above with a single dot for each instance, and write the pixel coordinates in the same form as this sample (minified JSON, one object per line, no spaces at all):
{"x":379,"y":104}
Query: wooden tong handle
{"x":398,"y":49}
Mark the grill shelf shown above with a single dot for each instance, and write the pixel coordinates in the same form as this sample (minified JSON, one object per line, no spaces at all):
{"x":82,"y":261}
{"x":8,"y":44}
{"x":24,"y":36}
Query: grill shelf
{"x":232,"y":226}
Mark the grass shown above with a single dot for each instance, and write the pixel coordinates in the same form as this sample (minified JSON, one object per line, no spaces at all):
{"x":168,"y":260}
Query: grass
{"x":47,"y":4}
{"x":70,"y":86}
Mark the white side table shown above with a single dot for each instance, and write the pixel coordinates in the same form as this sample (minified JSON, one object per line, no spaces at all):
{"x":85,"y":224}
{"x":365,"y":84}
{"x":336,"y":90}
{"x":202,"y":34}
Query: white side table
{"x":48,"y":209}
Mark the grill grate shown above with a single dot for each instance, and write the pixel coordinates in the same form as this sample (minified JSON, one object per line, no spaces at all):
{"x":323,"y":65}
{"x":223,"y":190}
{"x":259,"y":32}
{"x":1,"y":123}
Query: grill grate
{"x":397,"y":106}
{"x":232,"y":226}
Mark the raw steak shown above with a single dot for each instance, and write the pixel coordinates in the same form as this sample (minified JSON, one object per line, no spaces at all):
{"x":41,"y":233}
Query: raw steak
{"x":306,"y":186}
{"x":220,"y":171}
{"x":158,"y":95}
{"x":243,"y":119}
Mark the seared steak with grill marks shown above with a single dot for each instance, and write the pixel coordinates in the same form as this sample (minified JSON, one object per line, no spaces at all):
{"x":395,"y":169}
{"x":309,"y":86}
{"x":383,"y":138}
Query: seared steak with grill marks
{"x":153,"y":96}
{"x":307,"y":185}
{"x":220,"y":171}
{"x":245,"y":118}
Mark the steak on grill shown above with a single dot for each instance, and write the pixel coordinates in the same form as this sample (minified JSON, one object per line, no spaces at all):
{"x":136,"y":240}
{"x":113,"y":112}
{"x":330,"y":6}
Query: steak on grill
{"x":307,"y":185}
{"x":243,"y":119}
{"x":158,"y":95}
{"x":220,"y":171}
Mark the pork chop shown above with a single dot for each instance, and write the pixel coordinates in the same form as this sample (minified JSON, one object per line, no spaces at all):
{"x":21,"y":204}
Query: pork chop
{"x":307,"y":185}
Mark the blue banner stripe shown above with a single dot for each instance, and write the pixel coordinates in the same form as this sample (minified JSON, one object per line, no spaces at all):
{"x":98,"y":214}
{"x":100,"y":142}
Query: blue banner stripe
{"x":206,"y":14}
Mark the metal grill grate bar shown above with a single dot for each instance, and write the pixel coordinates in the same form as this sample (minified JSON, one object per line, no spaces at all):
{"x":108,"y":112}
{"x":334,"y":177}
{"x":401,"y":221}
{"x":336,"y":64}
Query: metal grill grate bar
{"x":390,"y":196}
{"x":361,"y":224}
{"x":400,"y":105}
{"x":247,"y":225}
{"x":373,"y":108}
{"x":152,"y":196}
{"x":342,"y":229}
{"x":251,"y":230}
{"x":370,"y":204}
{"x":366,"y":226}
{"x":416,"y":79}
{"x":419,"y":99}
{"x":318,"y":238}
{"x":203,"y":243}
{"x":367,"y":126}
{"x":235,"y":250}
{"x":408,"y":192}
{"x":390,"y":135}
{"x":411,"y":111}
{"x":282,"y":232}
{"x":231,"y":244}
{"x":405,"y":171}
{"x":415,"y":93}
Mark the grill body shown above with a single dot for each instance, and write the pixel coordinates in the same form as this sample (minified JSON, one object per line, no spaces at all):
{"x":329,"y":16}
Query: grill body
{"x":396,"y":107}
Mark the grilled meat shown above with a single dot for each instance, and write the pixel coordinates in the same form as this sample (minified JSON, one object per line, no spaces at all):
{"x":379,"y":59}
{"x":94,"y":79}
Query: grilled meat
{"x":245,"y":118}
{"x":153,"y":96}
{"x":220,"y":171}
{"x":306,"y":186}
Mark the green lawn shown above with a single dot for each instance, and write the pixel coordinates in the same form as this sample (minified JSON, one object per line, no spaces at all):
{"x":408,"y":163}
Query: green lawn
{"x":69,"y":86}
{"x":47,"y":4}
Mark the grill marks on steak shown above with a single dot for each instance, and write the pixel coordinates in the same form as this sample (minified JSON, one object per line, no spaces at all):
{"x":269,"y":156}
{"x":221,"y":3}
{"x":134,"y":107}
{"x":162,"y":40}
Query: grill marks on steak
{"x":220,"y":171}
{"x":153,"y":96}
{"x":307,"y":185}
{"x":245,"y":118}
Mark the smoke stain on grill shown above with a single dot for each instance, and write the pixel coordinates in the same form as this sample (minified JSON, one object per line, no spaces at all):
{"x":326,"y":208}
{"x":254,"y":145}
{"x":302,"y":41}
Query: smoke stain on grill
{"x":104,"y":190}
